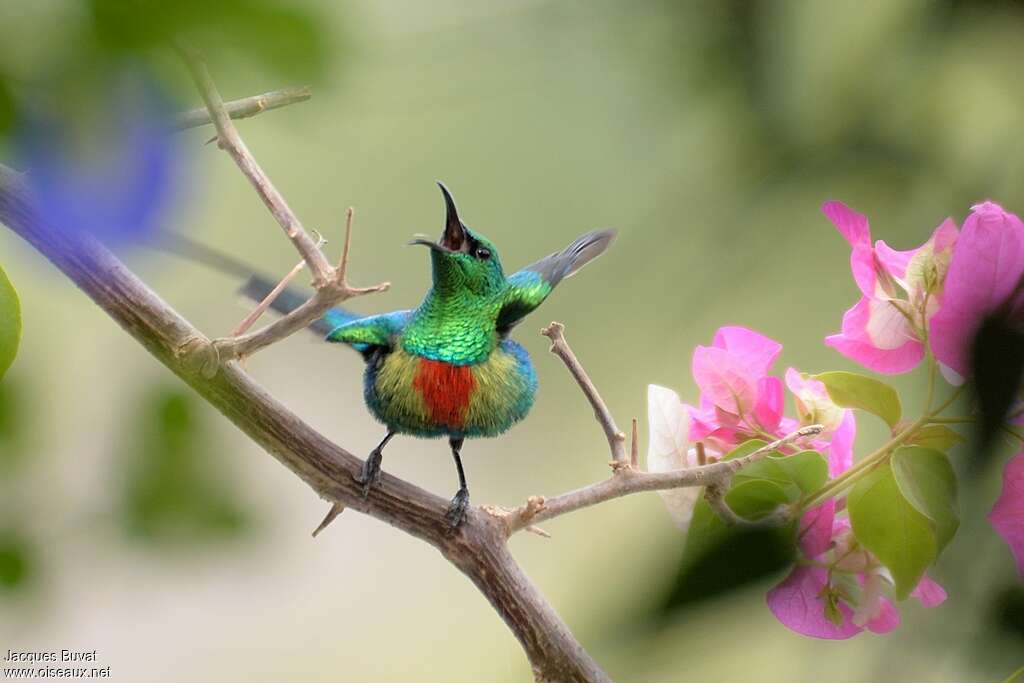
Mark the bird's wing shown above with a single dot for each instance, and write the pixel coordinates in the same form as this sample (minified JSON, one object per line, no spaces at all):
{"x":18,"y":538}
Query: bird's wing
{"x":531,"y":285}
{"x":376,"y":330}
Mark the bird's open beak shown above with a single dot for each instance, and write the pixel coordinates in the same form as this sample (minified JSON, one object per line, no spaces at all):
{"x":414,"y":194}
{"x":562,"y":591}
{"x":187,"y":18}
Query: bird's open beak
{"x":454,"y":238}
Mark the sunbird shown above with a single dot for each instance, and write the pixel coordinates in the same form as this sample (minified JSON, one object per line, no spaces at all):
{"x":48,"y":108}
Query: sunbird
{"x":449,"y":368}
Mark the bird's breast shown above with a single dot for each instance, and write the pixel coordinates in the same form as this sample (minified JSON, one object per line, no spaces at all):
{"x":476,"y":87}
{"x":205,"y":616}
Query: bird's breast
{"x":430,"y":397}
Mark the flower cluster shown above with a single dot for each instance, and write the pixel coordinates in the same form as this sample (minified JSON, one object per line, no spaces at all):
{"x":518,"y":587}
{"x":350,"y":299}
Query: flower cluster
{"x":925,"y":303}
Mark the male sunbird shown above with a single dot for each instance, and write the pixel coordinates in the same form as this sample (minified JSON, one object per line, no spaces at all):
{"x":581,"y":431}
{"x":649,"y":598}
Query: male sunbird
{"x":448,"y":368}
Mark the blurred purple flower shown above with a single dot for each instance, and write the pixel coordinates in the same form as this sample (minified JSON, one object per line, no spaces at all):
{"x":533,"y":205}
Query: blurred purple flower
{"x":110,"y":171}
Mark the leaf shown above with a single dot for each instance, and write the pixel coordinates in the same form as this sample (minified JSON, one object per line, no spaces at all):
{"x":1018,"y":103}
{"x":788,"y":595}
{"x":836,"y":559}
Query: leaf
{"x":886,"y":523}
{"x":707,"y":530}
{"x":10,"y":323}
{"x":17,"y":565}
{"x":174,"y":492}
{"x":797,"y":474}
{"x":926,"y":479}
{"x":755,"y":499}
{"x":938,"y":437}
{"x":850,"y":390}
{"x":745,"y":448}
{"x":997,"y":366}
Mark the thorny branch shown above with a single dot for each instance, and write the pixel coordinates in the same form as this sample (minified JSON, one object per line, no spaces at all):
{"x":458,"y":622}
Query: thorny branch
{"x":331,"y":284}
{"x":478,"y":547}
{"x":627,"y":479}
{"x":244,"y":108}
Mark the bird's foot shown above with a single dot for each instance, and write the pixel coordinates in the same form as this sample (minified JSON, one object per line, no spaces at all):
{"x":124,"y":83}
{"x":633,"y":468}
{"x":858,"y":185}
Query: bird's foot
{"x":371,"y":471}
{"x":457,"y":508}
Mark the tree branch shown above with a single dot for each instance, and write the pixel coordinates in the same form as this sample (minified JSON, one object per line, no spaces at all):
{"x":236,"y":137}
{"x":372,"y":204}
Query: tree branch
{"x":616,"y":439}
{"x":477,"y":547}
{"x":245,"y":107}
{"x":331,"y":284}
{"x":626,"y":478}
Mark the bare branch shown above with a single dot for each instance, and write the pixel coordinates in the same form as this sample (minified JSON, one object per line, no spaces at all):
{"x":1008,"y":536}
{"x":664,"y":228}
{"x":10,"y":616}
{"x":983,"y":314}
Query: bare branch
{"x":476,"y":548}
{"x":331,"y":285}
{"x":559,"y":347}
{"x":634,"y":448}
{"x":245,"y":107}
{"x":626,"y":479}
{"x":268,"y":300}
{"x":231,"y":142}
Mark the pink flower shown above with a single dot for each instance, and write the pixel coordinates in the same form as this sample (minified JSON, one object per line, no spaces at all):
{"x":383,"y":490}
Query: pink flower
{"x":738,"y":397}
{"x":987,"y":266}
{"x":839,"y":590}
{"x":814,"y":406}
{"x":884,"y":330}
{"x":1007,"y":517}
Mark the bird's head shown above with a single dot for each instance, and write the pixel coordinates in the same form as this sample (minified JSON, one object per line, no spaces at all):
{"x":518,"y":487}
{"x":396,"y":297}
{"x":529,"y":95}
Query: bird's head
{"x":464,"y":262}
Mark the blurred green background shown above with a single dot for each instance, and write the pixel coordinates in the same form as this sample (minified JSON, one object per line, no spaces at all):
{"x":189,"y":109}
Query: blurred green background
{"x":134,"y":520}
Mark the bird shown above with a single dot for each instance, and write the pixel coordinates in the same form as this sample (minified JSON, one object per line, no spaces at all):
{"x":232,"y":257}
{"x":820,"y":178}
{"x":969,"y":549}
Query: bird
{"x":449,"y":367}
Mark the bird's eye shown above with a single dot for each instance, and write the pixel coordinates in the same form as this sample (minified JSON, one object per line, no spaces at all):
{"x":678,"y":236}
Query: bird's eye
{"x":483,"y":253}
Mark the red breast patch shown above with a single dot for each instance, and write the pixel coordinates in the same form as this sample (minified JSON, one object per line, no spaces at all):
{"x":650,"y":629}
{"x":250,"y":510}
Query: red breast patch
{"x":446,"y":389}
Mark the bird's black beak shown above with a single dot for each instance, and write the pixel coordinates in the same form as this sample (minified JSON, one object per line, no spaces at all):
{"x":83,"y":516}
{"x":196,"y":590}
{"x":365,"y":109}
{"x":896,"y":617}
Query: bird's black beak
{"x":454,"y":236}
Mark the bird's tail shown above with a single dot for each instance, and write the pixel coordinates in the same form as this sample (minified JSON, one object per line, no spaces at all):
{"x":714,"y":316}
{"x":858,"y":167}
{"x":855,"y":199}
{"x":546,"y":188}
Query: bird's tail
{"x":257,"y":286}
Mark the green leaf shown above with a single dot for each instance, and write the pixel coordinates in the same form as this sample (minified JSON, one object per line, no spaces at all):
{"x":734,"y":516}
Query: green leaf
{"x":17,"y":565}
{"x":939,"y":437}
{"x":706,"y":532}
{"x":888,"y":525}
{"x":10,"y":323}
{"x":755,"y":499}
{"x":850,"y":390}
{"x":175,"y":491}
{"x":807,"y":469}
{"x":927,"y":481}
{"x":796,"y":474}
{"x":745,"y":448}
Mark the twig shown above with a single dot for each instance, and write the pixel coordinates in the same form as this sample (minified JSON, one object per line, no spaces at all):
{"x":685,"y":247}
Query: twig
{"x":628,"y":480}
{"x":231,"y":142}
{"x":245,"y":107}
{"x":634,"y":447}
{"x":331,"y":284}
{"x":477,"y":549}
{"x":616,"y":439}
{"x":268,"y":300}
{"x":631,"y":481}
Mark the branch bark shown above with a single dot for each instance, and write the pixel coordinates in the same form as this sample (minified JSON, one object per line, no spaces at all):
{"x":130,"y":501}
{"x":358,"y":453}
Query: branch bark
{"x":245,"y":107}
{"x":477,"y":548}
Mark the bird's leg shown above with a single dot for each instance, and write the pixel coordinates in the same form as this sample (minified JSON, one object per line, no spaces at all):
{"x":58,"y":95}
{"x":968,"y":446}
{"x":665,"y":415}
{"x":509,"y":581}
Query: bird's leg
{"x":457,"y":508}
{"x":371,"y":468}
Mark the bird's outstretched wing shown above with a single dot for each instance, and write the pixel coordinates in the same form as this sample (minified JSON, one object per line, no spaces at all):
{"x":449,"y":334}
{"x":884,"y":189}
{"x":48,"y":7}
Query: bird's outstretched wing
{"x":373,"y":331}
{"x":531,"y":285}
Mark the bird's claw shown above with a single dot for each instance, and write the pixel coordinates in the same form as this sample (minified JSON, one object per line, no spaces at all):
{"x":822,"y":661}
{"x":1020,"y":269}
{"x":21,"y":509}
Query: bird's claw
{"x":371,"y":472}
{"x":457,"y":508}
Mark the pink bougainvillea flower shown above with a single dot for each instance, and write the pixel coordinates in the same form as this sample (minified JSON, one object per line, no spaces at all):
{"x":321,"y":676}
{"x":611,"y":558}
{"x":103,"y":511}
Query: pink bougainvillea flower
{"x":884,"y":330}
{"x":739,"y":399}
{"x":844,"y":591}
{"x":1007,"y":517}
{"x":814,"y":406}
{"x":730,"y":370}
{"x":986,"y":267}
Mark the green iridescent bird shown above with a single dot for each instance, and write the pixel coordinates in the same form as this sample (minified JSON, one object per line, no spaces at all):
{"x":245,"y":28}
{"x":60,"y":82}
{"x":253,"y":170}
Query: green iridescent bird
{"x":448,"y":367}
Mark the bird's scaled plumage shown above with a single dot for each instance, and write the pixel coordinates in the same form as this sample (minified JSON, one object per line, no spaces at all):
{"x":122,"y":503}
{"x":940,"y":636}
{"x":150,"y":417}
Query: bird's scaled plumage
{"x":448,"y":368}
